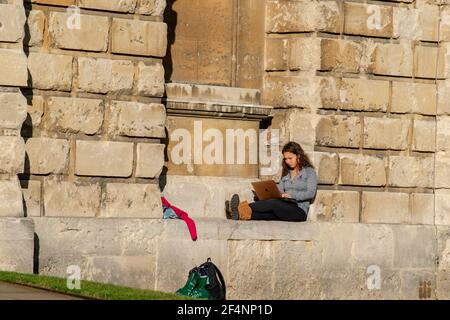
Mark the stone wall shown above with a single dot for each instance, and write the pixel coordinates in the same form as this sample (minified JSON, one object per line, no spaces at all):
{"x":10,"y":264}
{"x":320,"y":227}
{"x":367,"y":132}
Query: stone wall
{"x":95,"y":119}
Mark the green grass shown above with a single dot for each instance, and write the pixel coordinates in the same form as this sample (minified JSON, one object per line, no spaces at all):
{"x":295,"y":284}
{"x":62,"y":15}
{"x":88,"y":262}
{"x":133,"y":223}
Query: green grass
{"x":89,"y":289}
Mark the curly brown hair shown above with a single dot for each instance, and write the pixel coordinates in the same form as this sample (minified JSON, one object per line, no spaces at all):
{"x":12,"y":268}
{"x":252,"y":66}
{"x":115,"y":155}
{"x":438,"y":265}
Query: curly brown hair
{"x":303,"y":159}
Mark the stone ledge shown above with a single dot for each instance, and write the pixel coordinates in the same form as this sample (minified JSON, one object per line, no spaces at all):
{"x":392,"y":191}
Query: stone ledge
{"x":327,"y":260}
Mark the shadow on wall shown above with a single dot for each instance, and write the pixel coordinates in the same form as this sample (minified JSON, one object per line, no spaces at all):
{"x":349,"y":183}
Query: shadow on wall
{"x":27,"y":127}
{"x":170,"y":18}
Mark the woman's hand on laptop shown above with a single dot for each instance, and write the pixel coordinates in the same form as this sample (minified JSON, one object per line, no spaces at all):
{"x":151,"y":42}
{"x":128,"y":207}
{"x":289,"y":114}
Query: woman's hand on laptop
{"x":286,"y":195}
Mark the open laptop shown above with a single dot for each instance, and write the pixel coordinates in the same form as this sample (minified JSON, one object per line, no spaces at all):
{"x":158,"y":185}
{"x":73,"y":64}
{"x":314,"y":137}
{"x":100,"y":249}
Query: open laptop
{"x":268,"y":190}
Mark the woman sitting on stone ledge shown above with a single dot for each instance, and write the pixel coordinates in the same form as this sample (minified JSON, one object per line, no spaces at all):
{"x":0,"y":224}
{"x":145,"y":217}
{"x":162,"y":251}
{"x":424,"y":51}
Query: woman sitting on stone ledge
{"x":299,"y":182}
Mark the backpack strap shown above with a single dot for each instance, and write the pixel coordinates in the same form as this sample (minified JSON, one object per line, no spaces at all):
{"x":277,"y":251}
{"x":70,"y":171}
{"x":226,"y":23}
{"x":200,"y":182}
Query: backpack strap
{"x":221,"y":280}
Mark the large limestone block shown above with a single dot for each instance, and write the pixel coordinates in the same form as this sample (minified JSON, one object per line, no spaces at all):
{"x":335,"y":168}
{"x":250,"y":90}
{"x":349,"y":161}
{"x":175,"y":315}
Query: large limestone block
{"x":368,"y":20}
{"x":38,"y":151}
{"x":443,"y":134}
{"x":16,"y":245}
{"x":341,"y":55}
{"x":31,"y":190}
{"x":128,"y":6}
{"x":395,"y":208}
{"x":132,"y":200}
{"x":399,"y":63}
{"x":11,"y":198}
{"x":406,"y":23}
{"x":90,"y":35}
{"x":104,"y":75}
{"x":362,"y":170}
{"x":134,"y":119}
{"x":12,"y":157}
{"x":152,"y":7}
{"x":13,"y":110}
{"x":150,"y":79}
{"x":138,"y":37}
{"x":14,"y":68}
{"x":104,"y":158}
{"x":413,"y":98}
{"x":50,"y":71}
{"x":12,"y":18}
{"x":422,"y":210}
{"x":339,"y":131}
{"x":150,"y":160}
{"x":424,"y":134}
{"x":386,"y":133}
{"x":442,"y":207}
{"x":415,"y":246}
{"x":71,"y":199}
{"x":442,"y":171}
{"x":304,"y":54}
{"x":74,"y":115}
{"x":276,"y":54}
{"x":430,"y":62}
{"x":411,"y":172}
{"x":36,"y":24}
{"x":327,"y":167}
{"x":335,"y":206}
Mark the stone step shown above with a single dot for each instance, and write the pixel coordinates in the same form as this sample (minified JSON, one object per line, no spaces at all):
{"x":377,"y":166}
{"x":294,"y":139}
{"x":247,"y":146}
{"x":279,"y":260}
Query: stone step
{"x":259,"y":259}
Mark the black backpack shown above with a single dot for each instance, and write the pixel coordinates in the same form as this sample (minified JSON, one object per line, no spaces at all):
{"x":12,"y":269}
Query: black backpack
{"x":205,"y":281}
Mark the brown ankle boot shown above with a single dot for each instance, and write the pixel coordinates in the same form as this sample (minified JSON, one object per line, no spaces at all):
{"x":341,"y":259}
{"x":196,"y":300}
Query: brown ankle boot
{"x":245,"y":212}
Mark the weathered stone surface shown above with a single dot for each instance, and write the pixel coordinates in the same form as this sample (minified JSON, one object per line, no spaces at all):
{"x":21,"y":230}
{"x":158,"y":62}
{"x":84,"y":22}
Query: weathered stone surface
{"x":335,"y":206}
{"x":108,"y":5}
{"x":276,"y":54}
{"x":411,"y":171}
{"x":152,"y":7}
{"x":364,"y":95}
{"x":386,"y":133}
{"x":400,"y":62}
{"x":395,"y":208}
{"x":442,"y":171}
{"x":287,"y":91}
{"x":429,"y":21}
{"x":31,"y":190}
{"x":10,"y":198}
{"x":71,"y":199}
{"x":362,"y":170}
{"x":340,"y":55}
{"x":424,"y":133}
{"x":304,"y":54}
{"x":443,"y":103}
{"x":368,"y":20}
{"x":413,"y":98}
{"x":210,"y":193}
{"x":132,"y":200}
{"x":443,"y":134}
{"x":426,"y":63}
{"x":14,"y":68}
{"x":422,"y":208}
{"x":104,"y":158}
{"x":406,"y":23}
{"x":290,"y":16}
{"x":139,"y":37}
{"x":415,"y":246}
{"x":16,"y":245}
{"x":12,"y":157}
{"x":327,"y":166}
{"x":12,"y":18}
{"x":150,"y":160}
{"x":75,"y":115}
{"x":150,"y":79}
{"x":13,"y":110}
{"x":136,"y":119}
{"x":103,"y":75}
{"x":338,"y":131}
{"x":50,"y":71}
{"x":36,"y":24}
{"x":90,"y":35}
{"x":442,"y":216}
{"x":38,"y":159}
